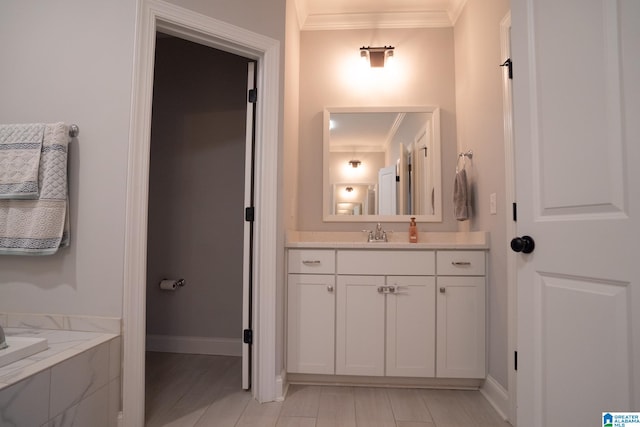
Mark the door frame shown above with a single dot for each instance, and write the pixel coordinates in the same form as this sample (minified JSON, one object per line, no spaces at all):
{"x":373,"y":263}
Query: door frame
{"x":153,"y":15}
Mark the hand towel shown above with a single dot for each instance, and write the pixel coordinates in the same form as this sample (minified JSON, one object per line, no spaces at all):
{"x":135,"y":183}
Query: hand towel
{"x":20,"y":148}
{"x":40,"y":226}
{"x":461,"y":196}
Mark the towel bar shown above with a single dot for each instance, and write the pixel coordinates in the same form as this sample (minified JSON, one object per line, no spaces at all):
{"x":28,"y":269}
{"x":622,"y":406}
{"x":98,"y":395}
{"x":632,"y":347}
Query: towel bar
{"x":74,"y":130}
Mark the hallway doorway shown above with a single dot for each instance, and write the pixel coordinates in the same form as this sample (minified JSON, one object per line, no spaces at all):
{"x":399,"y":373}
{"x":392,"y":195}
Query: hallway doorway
{"x":200,"y":169}
{"x":183,"y":23}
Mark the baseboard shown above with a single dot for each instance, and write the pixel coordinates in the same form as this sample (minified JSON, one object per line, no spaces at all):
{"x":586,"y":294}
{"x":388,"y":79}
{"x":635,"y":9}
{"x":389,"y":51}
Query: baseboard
{"x":194,"y":345}
{"x":496,"y":395}
{"x":281,"y":386}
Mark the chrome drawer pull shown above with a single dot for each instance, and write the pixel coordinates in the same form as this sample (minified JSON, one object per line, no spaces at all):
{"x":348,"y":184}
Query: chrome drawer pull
{"x":314,"y":262}
{"x":460,"y":263}
{"x":329,"y":288}
{"x":443,"y":290}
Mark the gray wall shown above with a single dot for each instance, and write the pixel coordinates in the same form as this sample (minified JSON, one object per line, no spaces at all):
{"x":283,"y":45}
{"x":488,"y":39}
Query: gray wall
{"x":331,"y":76}
{"x":72,"y":61}
{"x":196,"y":190}
{"x":480,"y":126}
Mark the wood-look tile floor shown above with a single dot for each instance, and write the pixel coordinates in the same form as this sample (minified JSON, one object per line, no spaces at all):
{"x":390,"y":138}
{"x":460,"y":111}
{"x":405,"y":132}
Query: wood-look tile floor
{"x":188,"y":390}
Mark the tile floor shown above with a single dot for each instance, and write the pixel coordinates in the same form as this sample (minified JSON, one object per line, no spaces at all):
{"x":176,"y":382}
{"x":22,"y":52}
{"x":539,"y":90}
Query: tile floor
{"x":196,"y":391}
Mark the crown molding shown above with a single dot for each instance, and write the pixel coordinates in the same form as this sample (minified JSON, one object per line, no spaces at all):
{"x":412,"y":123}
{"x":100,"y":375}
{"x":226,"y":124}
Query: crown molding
{"x":358,"y":21}
{"x":455,"y":9}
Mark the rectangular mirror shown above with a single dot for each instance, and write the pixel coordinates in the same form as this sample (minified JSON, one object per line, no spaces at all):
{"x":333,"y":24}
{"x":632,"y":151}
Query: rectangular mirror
{"x":382,"y":164}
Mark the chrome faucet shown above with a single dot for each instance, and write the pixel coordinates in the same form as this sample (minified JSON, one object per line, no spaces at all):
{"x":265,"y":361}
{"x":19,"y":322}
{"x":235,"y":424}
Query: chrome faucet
{"x":3,"y":340}
{"x":377,"y":235}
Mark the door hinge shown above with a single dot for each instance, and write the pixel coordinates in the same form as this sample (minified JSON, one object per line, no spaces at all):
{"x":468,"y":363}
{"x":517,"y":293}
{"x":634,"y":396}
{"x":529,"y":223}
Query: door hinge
{"x":247,"y":336}
{"x":508,"y":63}
{"x":515,"y":211}
{"x":253,"y":95}
{"x":515,"y":360}
{"x":397,"y":178}
{"x":249,"y":214}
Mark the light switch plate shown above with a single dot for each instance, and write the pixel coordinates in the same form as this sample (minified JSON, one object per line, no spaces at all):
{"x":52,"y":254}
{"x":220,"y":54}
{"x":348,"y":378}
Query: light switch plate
{"x":492,"y":204}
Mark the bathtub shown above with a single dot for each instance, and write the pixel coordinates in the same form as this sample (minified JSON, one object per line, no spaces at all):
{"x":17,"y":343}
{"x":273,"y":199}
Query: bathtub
{"x":74,"y":381}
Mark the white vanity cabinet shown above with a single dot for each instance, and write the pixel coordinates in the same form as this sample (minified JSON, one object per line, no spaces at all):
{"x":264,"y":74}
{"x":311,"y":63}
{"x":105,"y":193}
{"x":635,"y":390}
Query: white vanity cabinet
{"x":461,"y":314}
{"x":385,"y":313}
{"x":311,"y":311}
{"x":416,"y":314}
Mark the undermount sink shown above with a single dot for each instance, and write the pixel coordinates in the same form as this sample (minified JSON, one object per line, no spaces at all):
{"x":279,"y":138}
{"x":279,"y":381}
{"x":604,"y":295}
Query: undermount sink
{"x":21,"y":347}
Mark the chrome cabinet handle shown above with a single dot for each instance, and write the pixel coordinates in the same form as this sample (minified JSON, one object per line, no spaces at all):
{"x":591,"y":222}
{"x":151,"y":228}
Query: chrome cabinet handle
{"x":392,"y":289}
{"x":330,"y":288}
{"x":312,"y":262}
{"x":381,"y":289}
{"x":460,"y":263}
{"x":443,"y":290}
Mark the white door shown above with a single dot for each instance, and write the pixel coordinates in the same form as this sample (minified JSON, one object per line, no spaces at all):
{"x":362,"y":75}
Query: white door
{"x":411,"y":326}
{"x":387,"y":191}
{"x":247,"y":264}
{"x":360,"y":326}
{"x":577,"y":140}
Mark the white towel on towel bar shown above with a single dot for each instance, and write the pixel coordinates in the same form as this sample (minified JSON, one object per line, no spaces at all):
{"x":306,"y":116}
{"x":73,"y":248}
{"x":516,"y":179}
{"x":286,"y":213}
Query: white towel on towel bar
{"x":20,"y":148}
{"x":40,"y":226}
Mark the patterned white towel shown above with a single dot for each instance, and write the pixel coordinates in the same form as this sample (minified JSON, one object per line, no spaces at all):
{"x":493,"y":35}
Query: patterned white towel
{"x":20,"y":147}
{"x":40,"y":226}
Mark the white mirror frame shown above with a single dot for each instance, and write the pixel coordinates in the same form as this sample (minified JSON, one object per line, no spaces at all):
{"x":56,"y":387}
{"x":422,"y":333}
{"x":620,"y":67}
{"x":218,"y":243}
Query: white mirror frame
{"x":433,"y":127}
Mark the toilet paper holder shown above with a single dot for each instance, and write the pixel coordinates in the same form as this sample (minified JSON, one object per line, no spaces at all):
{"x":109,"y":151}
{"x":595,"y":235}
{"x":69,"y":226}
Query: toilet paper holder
{"x":171,"y":284}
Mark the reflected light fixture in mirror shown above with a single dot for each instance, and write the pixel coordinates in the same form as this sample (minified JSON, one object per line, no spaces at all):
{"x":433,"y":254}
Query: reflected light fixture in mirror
{"x":376,"y":56}
{"x":355,"y":163}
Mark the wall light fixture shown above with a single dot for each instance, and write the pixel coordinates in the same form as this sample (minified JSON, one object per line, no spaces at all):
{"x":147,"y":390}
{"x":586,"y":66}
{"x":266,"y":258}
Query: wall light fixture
{"x":355,"y":163}
{"x":376,"y":56}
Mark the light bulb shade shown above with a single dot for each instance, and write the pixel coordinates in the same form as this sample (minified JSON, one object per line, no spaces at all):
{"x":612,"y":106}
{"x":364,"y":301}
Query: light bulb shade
{"x":355,"y":163}
{"x":377,"y":55}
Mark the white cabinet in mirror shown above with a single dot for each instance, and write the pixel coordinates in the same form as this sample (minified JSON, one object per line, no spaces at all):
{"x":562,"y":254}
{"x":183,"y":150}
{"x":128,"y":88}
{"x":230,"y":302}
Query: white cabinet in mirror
{"x":382,"y":164}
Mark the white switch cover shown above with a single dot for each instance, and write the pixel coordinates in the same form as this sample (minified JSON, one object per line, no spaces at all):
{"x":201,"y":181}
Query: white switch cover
{"x":492,"y":204}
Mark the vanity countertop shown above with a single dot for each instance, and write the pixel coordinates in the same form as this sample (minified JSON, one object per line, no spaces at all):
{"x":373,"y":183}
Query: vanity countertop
{"x":397,"y":240}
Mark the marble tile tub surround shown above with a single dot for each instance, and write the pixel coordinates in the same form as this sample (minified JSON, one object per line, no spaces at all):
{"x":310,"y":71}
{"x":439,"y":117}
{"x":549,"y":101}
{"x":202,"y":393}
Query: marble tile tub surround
{"x":396,"y":240}
{"x":75,"y":382}
{"x":111,"y":325}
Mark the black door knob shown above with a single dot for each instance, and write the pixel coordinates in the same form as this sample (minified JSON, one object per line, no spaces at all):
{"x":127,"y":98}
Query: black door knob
{"x":524,"y":244}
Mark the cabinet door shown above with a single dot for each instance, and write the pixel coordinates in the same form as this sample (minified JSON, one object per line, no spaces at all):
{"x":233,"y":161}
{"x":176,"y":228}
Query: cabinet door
{"x":461,"y":327}
{"x":411,"y":326}
{"x":310,"y":321}
{"x":360,"y":326}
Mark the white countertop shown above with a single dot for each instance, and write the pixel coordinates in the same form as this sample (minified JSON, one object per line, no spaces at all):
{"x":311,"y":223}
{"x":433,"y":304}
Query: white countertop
{"x":63,"y":345}
{"x":397,"y":240}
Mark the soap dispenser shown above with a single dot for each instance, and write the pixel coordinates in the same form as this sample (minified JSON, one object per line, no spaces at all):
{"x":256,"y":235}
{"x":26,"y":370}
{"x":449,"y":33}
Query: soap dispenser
{"x":413,"y":231}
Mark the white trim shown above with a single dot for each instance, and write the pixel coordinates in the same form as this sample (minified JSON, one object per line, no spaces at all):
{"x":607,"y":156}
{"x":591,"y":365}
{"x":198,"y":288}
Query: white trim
{"x":195,"y":345}
{"x":172,"y":19}
{"x":496,"y":395}
{"x":363,"y":21}
{"x":281,"y":386}
{"x":510,"y":196}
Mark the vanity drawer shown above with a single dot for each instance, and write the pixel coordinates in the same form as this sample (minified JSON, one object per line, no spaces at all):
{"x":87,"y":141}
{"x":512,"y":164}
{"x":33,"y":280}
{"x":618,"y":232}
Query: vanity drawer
{"x":461,"y":263}
{"x":312,"y":261}
{"x":407,"y":263}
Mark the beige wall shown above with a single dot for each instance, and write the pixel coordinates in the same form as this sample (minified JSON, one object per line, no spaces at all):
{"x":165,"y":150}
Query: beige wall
{"x":196,"y":190}
{"x":290,"y":164}
{"x":480,"y":128}
{"x":331,"y":76}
